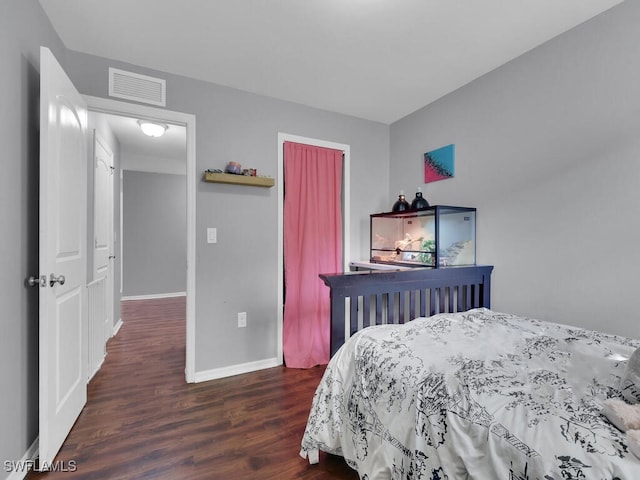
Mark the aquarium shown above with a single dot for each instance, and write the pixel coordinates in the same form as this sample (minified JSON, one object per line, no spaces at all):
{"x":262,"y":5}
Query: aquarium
{"x":438,"y":236}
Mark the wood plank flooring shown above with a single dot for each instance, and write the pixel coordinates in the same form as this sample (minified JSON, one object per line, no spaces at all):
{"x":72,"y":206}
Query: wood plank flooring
{"x":142,"y":421}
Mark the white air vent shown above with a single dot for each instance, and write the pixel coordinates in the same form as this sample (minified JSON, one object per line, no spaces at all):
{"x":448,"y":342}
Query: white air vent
{"x":140,"y":88}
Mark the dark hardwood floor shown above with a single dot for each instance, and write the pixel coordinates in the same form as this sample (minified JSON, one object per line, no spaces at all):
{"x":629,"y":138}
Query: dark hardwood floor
{"x":142,"y":421}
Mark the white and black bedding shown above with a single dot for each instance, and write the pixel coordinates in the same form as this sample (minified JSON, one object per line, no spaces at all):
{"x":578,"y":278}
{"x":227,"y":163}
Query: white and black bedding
{"x":474,"y":395}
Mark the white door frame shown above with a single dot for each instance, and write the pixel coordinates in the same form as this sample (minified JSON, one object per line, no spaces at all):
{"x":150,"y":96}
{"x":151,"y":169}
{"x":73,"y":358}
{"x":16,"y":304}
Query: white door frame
{"x":346,"y":217}
{"x":116,"y":107}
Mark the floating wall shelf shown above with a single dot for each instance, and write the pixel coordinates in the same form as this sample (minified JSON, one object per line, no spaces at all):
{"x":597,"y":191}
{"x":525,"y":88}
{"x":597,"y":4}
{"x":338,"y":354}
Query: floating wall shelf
{"x":239,"y":179}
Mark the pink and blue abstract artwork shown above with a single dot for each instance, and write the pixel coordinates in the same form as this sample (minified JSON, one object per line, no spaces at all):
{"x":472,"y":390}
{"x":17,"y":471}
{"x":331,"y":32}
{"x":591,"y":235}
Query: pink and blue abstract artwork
{"x":439,"y":164}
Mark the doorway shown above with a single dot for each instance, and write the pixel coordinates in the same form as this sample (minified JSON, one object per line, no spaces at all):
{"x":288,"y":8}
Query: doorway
{"x":99,"y":105}
{"x":152,"y":207}
{"x":346,"y":208}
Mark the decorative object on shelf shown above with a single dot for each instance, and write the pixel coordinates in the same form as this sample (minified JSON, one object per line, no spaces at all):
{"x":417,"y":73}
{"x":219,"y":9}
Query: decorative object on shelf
{"x":439,"y":164}
{"x":233,"y":167}
{"x":401,"y":204}
{"x":419,"y":202}
{"x":217,"y":176}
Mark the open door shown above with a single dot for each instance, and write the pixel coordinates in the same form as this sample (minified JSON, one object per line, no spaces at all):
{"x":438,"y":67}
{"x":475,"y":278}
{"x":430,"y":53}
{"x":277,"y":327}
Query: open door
{"x":63,"y":256}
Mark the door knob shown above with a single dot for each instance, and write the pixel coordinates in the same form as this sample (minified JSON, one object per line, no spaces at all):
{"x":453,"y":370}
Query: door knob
{"x":35,"y":281}
{"x":53,"y":279}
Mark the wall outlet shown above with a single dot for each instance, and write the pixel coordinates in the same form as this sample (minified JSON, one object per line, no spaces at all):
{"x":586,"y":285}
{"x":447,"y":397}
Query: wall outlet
{"x":242,"y":319}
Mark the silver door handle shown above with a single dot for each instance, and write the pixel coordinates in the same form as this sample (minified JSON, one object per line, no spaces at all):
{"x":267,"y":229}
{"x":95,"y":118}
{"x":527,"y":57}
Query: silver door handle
{"x":53,"y":279}
{"x":34,"y":281}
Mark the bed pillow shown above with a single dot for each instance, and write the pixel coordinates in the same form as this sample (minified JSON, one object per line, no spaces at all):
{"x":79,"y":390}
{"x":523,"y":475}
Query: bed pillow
{"x":630,"y":383}
{"x":621,"y":414}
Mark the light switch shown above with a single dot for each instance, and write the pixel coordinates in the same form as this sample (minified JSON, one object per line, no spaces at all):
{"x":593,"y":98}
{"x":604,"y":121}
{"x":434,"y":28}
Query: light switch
{"x":212,"y":235}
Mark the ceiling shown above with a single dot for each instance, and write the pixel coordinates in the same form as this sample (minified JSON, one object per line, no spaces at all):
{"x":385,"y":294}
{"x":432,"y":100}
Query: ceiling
{"x":374,"y":59}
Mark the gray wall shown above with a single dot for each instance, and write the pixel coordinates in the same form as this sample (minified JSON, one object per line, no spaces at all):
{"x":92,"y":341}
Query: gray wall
{"x":548,"y":150}
{"x":23,"y":28}
{"x":154,"y":233}
{"x":239,"y":273}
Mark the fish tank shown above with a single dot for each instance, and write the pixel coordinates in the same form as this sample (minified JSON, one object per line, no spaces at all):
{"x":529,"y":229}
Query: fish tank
{"x":437,"y":236}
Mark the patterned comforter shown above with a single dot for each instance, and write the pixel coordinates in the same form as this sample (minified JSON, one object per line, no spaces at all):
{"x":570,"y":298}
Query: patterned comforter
{"x":474,"y":395}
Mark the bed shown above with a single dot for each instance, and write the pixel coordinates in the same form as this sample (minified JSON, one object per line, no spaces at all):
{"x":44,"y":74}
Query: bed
{"x":463,"y":391}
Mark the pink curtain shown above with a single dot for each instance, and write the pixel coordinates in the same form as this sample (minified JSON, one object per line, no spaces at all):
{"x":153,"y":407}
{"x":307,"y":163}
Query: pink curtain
{"x":312,"y":245}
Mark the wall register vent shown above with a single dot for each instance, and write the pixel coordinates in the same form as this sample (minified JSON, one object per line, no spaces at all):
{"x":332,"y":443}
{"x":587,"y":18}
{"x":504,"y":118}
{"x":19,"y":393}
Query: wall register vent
{"x":136,"y":87}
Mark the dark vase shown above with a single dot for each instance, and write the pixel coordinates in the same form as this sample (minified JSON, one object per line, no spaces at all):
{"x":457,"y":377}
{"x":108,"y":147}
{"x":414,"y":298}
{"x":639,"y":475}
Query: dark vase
{"x":401,"y":204}
{"x":419,"y":202}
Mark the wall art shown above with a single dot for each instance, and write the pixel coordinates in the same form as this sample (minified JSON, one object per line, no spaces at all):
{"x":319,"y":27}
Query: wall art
{"x":439,"y":164}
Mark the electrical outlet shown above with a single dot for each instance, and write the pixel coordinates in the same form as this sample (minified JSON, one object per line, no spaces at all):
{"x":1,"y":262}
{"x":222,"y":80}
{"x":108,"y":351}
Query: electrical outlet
{"x":242,"y":319}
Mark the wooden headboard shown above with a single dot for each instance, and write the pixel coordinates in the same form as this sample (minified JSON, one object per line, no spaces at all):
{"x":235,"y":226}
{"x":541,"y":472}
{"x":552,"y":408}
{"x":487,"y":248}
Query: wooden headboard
{"x":361,"y":299}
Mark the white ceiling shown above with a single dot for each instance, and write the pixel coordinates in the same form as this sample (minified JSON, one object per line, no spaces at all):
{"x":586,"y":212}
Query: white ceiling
{"x":374,"y":59}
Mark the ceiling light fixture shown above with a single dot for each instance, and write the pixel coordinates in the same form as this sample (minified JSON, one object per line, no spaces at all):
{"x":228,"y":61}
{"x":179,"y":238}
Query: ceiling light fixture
{"x":152,"y":129}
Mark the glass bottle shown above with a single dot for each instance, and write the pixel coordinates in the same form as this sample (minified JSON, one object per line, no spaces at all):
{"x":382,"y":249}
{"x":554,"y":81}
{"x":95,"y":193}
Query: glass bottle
{"x":401,"y":204}
{"x":419,"y":202}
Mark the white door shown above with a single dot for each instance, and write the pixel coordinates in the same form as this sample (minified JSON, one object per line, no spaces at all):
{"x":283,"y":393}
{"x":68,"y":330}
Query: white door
{"x":63,"y":256}
{"x":103,"y":237}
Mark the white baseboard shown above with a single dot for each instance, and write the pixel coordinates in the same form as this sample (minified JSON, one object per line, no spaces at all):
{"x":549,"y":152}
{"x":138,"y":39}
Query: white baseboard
{"x":96,"y":370}
{"x":20,"y":469}
{"x":117,"y":327}
{"x":239,"y":369}
{"x":154,"y":296}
